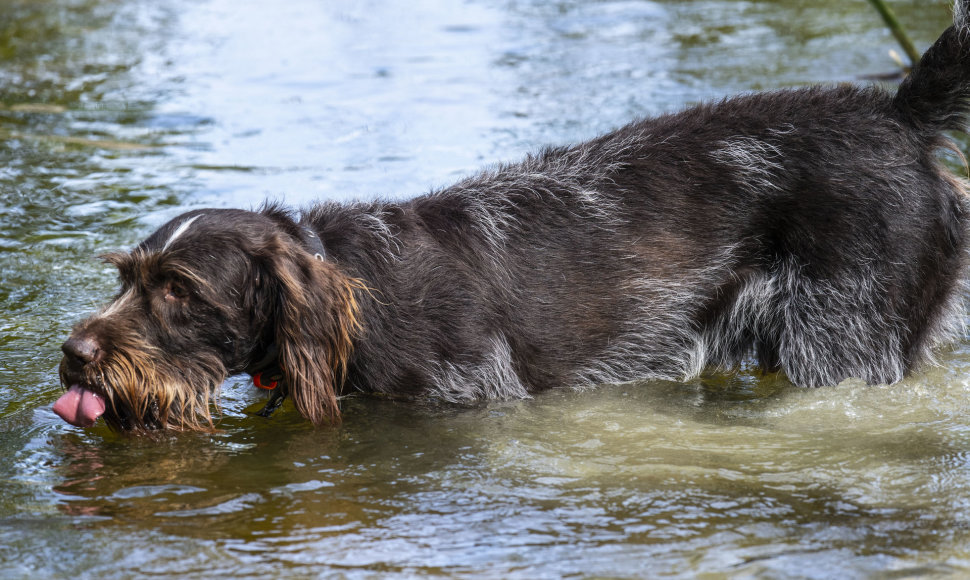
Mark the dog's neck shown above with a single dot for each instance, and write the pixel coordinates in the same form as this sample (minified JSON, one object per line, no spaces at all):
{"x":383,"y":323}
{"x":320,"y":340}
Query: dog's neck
{"x":266,"y":372}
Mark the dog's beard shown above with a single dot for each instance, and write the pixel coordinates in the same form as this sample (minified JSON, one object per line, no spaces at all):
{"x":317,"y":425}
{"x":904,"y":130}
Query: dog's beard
{"x":144,"y":389}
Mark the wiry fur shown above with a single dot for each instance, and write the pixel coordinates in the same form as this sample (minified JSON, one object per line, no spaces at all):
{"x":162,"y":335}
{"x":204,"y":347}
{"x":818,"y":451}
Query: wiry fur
{"x":812,"y":229}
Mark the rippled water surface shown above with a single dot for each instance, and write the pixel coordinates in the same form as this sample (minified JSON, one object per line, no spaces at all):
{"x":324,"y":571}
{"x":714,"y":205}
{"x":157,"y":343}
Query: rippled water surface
{"x":117,"y":114}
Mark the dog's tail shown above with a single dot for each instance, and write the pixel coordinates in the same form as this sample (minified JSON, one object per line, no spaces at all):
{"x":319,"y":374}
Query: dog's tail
{"x":936,"y":95}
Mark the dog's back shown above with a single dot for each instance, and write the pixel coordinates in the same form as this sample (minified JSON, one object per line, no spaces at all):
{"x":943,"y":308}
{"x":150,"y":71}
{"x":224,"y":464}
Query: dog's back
{"x":813,"y":228}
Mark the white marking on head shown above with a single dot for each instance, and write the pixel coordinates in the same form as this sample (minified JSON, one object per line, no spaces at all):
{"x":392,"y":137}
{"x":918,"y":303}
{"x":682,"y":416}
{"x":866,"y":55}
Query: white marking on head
{"x":118,"y":305}
{"x":181,"y":230}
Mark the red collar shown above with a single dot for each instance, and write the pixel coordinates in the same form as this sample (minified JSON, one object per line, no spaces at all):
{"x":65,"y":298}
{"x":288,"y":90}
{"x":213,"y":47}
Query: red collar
{"x":268,"y":375}
{"x":268,"y":379}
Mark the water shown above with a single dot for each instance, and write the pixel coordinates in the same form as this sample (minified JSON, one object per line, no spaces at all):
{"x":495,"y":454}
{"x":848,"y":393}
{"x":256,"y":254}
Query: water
{"x":116,"y":115}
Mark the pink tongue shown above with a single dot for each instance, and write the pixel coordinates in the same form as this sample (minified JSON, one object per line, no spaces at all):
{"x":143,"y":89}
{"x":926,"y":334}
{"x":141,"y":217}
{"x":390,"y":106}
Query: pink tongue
{"x":79,"y":406}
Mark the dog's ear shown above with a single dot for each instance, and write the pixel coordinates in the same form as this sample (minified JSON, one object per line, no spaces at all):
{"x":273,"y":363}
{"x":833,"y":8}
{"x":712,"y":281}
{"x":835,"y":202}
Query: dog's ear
{"x":315,"y":319}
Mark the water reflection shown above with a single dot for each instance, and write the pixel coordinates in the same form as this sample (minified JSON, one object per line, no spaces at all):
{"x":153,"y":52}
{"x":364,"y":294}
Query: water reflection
{"x":116,"y":115}
{"x":596,"y":485}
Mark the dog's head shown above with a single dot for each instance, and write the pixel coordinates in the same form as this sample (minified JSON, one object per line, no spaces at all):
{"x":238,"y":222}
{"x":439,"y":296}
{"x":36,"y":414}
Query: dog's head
{"x":208,"y":295}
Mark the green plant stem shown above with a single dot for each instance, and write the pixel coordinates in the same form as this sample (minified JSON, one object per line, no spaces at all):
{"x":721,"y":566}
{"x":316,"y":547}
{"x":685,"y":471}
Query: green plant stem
{"x":890,"y":19}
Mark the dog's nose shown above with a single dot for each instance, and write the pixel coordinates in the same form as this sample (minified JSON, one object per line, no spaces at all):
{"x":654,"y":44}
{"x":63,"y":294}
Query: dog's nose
{"x":84,"y":349}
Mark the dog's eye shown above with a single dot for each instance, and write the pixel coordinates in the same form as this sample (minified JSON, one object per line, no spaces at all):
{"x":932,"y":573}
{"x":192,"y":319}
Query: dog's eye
{"x":175,"y":291}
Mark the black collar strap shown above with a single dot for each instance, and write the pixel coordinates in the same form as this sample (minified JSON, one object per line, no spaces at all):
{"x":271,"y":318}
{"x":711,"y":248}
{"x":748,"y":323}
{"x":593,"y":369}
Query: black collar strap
{"x":266,"y":363}
{"x":276,"y":398}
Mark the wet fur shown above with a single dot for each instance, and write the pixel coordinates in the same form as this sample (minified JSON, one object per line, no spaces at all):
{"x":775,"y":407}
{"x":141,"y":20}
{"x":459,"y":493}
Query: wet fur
{"x":813,"y":229}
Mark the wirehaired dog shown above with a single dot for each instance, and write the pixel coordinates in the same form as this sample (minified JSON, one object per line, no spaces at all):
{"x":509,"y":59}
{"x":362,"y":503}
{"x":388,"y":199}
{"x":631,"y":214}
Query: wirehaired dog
{"x":813,"y":229}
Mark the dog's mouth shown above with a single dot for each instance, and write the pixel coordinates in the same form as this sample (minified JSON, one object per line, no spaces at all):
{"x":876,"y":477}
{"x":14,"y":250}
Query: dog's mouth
{"x":83,"y":404}
{"x":138,"y":394}
{"x":80,"y":406}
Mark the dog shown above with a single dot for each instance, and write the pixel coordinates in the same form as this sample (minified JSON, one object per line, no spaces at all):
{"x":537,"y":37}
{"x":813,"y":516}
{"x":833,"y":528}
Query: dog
{"x":812,"y":230}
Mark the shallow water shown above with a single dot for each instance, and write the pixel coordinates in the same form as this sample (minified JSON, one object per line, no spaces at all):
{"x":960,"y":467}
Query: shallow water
{"x":116,"y":115}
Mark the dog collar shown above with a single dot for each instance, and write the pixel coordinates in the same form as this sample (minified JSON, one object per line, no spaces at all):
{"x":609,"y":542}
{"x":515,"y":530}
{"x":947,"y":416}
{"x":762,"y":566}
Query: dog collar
{"x":314,"y":244}
{"x":269,"y":379}
{"x":268,"y":375}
